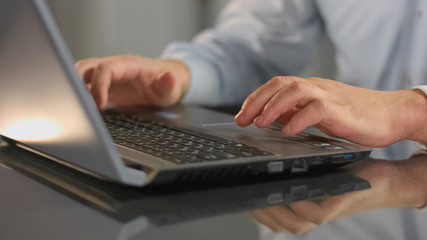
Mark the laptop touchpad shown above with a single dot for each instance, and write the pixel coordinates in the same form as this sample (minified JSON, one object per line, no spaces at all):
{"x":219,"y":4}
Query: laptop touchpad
{"x":270,"y":138}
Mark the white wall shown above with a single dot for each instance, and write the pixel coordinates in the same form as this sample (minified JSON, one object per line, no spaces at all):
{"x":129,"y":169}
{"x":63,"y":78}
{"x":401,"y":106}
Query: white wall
{"x":213,"y":7}
{"x":143,"y":27}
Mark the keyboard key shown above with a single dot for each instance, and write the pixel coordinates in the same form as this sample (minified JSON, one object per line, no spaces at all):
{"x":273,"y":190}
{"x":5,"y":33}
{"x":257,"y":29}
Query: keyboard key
{"x":174,"y":144}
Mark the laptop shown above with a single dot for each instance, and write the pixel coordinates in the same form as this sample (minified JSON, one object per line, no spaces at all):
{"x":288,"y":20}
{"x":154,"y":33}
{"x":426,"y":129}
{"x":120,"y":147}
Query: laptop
{"x":45,"y":108}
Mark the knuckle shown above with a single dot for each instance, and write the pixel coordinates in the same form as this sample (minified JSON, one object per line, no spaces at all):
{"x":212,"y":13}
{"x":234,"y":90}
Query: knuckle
{"x":276,"y":82}
{"x":104,"y":67}
{"x":319,"y":219}
{"x":83,"y":61}
{"x":277,"y":79}
{"x":298,"y":86}
{"x":296,"y":229}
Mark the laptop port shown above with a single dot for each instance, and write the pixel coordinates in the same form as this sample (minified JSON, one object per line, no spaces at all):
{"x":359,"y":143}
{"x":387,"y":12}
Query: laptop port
{"x":299,"y":193}
{"x":343,"y":158}
{"x":275,"y":198}
{"x":275,"y":167}
{"x":299,"y":165}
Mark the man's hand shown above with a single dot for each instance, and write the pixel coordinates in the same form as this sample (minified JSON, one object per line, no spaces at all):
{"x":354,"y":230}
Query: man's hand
{"x":368,"y":117}
{"x":393,"y":184}
{"x":131,"y":80}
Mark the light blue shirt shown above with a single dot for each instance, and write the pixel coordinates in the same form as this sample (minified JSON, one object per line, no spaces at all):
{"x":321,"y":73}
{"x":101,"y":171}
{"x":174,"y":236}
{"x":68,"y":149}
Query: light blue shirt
{"x":379,"y":44}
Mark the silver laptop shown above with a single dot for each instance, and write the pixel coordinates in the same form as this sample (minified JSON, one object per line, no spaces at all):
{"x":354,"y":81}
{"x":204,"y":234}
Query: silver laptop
{"x":45,"y":108}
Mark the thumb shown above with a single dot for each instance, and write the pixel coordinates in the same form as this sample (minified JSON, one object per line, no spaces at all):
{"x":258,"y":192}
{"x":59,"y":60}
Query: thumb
{"x":165,"y":84}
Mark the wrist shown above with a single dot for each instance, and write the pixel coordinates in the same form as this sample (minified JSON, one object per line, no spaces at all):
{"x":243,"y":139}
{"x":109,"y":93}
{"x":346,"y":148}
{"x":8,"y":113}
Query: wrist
{"x":410,"y":183}
{"x":415,"y":116}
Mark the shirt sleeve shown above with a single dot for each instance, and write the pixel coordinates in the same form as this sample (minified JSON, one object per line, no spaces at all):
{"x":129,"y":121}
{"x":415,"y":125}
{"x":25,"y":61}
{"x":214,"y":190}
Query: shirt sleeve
{"x":252,"y":42}
{"x":422,"y":88}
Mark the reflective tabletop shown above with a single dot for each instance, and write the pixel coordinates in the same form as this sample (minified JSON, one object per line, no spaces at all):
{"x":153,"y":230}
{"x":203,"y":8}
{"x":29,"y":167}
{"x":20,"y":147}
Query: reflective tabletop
{"x":41,"y":199}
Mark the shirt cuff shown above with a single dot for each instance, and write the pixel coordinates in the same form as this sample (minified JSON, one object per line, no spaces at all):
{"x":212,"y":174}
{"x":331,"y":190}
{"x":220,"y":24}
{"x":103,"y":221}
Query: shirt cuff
{"x":205,"y":84}
{"x":422,"y":88}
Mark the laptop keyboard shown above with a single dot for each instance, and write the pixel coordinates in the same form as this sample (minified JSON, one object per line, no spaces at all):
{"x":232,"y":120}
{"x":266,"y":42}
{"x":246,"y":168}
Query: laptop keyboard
{"x":172,"y":143}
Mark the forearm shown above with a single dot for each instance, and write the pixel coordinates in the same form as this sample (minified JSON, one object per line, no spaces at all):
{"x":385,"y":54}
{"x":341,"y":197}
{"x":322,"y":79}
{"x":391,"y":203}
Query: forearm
{"x":246,"y":48}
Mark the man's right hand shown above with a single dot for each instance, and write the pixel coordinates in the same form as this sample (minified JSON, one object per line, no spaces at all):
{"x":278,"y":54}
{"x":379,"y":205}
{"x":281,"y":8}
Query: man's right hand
{"x":363,"y":116}
{"x":129,"y":80}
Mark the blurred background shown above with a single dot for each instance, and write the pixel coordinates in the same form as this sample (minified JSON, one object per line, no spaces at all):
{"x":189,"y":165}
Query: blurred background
{"x":98,"y":28}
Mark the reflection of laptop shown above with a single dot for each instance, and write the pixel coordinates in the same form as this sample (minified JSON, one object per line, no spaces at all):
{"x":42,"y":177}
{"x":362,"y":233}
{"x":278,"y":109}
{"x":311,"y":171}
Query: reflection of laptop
{"x":164,"y":207}
{"x":45,"y":108}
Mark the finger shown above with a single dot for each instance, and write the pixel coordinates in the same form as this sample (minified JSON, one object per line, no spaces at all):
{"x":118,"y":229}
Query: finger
{"x":310,"y":211}
{"x":289,"y":220}
{"x":266,"y":220}
{"x":296,"y":94}
{"x":84,"y":65}
{"x":326,"y":210}
{"x":88,"y":74}
{"x":165,"y":84}
{"x":312,"y":114}
{"x":160,"y":90}
{"x":101,"y":83}
{"x":255,"y":102}
{"x":284,"y":118}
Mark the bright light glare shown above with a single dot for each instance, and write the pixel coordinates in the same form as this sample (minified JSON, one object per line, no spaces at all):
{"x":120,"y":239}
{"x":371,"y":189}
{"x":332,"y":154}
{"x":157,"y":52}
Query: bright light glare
{"x":32,"y":129}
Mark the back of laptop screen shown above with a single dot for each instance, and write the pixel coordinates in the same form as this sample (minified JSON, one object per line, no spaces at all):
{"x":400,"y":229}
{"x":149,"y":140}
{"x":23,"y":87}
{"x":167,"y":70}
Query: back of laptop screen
{"x":42,"y":104}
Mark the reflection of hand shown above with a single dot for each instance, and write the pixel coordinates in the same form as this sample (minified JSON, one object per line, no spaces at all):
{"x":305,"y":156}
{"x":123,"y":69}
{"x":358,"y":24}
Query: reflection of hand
{"x":368,"y":117}
{"x":393,"y":184}
{"x":131,"y":80}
